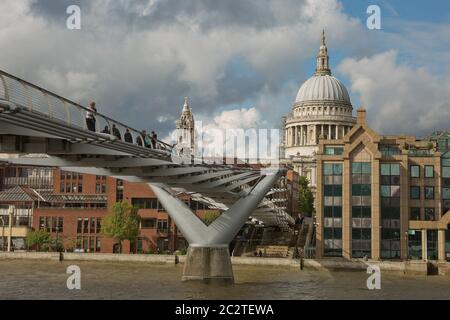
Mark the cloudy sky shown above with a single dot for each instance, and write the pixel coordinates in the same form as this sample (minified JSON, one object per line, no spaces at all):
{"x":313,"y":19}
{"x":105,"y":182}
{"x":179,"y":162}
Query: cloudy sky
{"x":240,"y":62}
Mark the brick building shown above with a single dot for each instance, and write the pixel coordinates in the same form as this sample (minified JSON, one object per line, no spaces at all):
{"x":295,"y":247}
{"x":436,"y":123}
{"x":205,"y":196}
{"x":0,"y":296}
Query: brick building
{"x":71,"y":206}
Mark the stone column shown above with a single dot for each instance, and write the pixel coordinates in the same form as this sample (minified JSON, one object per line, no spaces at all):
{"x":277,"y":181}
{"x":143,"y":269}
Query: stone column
{"x":337,"y":132}
{"x":346,"y":210}
{"x":301,"y":136}
{"x":424,"y":245}
{"x":315,"y":134}
{"x":321,"y":130}
{"x":295,"y":135}
{"x":343,"y":131}
{"x":404,"y":207}
{"x":376,"y":213}
{"x":319,"y":209}
{"x":441,"y":245}
{"x":329,"y":132}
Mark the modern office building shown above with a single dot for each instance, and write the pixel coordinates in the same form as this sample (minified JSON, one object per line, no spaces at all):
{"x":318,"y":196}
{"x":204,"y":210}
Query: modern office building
{"x":382,"y":197}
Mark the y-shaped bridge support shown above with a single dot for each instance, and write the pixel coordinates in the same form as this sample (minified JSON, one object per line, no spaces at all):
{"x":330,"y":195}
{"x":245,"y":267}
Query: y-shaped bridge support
{"x":208,"y":257}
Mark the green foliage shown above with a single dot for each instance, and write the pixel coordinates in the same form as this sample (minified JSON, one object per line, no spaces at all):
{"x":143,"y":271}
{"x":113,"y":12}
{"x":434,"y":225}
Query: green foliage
{"x":122,"y":223}
{"x":38,"y":239}
{"x":306,"y":197}
{"x":210,"y":217}
{"x":181,"y":252}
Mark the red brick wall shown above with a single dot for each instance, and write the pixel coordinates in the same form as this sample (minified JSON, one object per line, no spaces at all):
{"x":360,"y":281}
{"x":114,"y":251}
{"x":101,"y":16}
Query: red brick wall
{"x":130,"y":190}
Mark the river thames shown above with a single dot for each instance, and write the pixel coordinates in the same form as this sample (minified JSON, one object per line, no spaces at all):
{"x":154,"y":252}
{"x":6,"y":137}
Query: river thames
{"x":25,"y":279}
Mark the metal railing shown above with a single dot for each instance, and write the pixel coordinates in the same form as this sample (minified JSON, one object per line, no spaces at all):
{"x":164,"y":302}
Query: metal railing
{"x":37,"y":99}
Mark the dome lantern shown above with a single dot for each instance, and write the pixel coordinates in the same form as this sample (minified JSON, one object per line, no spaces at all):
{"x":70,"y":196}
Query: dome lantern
{"x":323,"y":60}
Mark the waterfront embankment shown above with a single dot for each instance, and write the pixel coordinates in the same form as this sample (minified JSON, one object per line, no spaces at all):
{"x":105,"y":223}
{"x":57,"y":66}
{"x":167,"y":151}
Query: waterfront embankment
{"x":405,"y":267}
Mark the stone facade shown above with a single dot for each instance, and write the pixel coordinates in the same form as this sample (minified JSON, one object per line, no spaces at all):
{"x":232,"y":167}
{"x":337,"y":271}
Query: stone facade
{"x":380,"y":197}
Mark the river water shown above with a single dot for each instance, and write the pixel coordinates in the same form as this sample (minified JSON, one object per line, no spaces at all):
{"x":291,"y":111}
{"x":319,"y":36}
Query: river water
{"x":25,"y":279}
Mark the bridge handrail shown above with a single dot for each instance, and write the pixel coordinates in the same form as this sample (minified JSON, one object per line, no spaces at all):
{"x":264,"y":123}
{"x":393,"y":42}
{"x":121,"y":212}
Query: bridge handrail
{"x":33,"y":96}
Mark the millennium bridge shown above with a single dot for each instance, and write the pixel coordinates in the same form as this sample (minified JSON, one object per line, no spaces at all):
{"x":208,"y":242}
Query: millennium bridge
{"x":41,"y":128}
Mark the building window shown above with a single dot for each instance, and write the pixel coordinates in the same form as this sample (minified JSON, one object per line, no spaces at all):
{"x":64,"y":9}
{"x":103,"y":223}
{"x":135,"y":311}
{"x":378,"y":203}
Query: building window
{"x":332,"y":230}
{"x":148,"y":223}
{"x":389,"y":150}
{"x":85,"y":225}
{"x":390,"y":210}
{"x":415,"y":244}
{"x":163,"y":226}
{"x":119,"y":190}
{"x":432,"y":244}
{"x":429,"y":171}
{"x":414,"y":214}
{"x":146,"y":203}
{"x":71,"y":182}
{"x":414,"y":192}
{"x":79,"y":225}
{"x":92,"y":226}
{"x":99,"y":225}
{"x":331,"y":151}
{"x":430,"y":214}
{"x":100,"y":184}
{"x":361,"y":209}
{"x":414,"y":171}
{"x":429,"y":193}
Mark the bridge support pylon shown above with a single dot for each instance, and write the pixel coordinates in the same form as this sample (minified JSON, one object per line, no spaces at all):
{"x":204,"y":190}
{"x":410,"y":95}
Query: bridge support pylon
{"x":208,"y":257}
{"x":208,"y":264}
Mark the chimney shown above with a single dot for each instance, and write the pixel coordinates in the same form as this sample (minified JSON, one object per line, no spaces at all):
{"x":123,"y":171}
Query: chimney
{"x":361,"y":116}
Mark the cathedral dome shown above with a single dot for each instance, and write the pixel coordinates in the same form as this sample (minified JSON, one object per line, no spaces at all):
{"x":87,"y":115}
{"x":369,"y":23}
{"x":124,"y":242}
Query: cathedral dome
{"x":322,"y":87}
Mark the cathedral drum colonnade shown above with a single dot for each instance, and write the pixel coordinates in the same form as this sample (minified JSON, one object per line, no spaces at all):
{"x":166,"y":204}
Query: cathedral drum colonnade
{"x":322,"y":109}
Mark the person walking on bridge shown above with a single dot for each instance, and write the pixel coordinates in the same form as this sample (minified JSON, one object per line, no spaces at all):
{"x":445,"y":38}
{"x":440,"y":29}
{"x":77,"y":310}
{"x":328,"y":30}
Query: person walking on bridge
{"x":154,"y":140}
{"x":116,"y":132}
{"x":90,"y":117}
{"x":127,"y":136}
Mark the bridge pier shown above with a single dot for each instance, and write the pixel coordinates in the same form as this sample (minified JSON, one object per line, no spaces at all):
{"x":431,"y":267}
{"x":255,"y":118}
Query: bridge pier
{"x":208,"y":258}
{"x":208,"y":264}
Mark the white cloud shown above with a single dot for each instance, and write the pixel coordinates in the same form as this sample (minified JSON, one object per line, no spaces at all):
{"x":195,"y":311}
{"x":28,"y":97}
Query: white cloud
{"x":400,"y":98}
{"x":138,"y":62}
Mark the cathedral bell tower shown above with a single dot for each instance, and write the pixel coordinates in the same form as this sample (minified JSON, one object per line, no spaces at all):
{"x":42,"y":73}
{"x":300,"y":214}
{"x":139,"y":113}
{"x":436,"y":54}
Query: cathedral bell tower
{"x":186,"y":127}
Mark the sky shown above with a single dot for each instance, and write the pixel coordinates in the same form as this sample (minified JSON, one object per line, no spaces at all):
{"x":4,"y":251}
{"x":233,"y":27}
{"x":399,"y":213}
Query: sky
{"x":240,"y":63}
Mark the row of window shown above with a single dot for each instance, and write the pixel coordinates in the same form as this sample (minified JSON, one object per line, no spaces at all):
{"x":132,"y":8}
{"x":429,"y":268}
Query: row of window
{"x":153,"y":203}
{"x":387,"y":169}
{"x":414,"y":171}
{"x":428,"y":214}
{"x":51,"y":224}
{"x":153,"y":223}
{"x":89,"y":243}
{"x":89,"y":225}
{"x":415,"y":193}
{"x":70,"y":182}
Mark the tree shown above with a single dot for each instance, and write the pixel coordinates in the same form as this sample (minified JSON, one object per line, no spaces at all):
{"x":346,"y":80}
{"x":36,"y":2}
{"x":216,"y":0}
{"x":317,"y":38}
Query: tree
{"x":122,"y":223}
{"x":37,"y":238}
{"x":306,"y":197}
{"x":210,"y":217}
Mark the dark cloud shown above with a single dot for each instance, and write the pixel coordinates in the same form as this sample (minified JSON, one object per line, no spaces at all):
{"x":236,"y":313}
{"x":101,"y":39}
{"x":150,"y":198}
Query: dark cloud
{"x":139,"y":59}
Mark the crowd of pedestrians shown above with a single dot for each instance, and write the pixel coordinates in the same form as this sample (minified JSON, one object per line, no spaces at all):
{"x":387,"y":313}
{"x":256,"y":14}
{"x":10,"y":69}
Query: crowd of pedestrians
{"x":144,"y":139}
